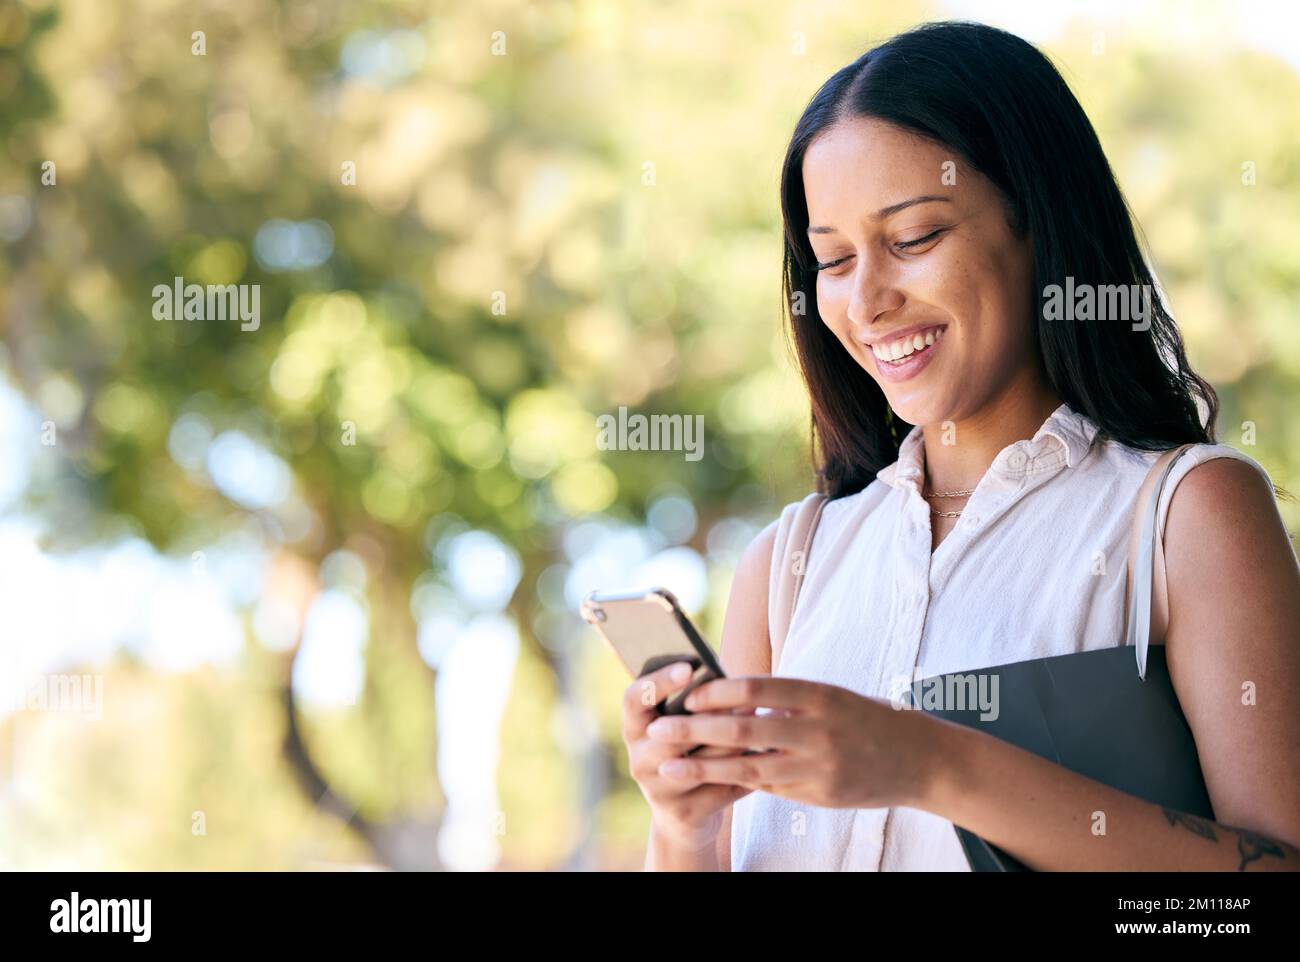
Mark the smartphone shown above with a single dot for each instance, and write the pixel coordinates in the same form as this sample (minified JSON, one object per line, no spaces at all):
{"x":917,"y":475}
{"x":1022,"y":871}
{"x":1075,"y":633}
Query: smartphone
{"x":648,"y":629}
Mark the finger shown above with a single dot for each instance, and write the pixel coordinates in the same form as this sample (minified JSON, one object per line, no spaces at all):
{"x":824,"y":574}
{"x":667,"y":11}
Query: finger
{"x":711,"y":751}
{"x":641,"y":697}
{"x":645,"y":755}
{"x":719,"y":751}
{"x":752,"y":691}
{"x":731,"y":731}
{"x":661,"y":748}
{"x":753,"y":771}
{"x":757,"y":712}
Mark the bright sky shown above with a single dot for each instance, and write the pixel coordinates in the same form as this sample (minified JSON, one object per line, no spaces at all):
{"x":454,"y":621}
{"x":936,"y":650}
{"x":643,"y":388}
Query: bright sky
{"x":1270,"y":25}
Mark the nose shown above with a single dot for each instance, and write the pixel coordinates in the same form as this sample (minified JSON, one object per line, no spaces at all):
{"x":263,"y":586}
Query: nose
{"x":874,"y":293}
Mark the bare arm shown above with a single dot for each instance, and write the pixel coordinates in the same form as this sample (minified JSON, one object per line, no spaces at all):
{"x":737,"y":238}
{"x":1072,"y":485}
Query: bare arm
{"x":1234,"y":659}
{"x":746,"y":646}
{"x":745,"y":650}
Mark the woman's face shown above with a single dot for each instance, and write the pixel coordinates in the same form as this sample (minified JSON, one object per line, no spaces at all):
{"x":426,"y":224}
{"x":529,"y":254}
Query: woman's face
{"x":916,"y":243}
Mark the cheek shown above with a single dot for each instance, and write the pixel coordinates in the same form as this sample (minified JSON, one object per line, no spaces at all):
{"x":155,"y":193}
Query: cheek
{"x":948,"y":289}
{"x":1006,"y":309}
{"x":980,"y":290}
{"x":833,"y":304}
{"x":825,"y":294}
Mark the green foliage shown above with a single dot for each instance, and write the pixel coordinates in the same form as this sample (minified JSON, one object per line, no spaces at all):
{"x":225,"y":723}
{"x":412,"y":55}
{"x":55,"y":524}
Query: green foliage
{"x":610,"y":180}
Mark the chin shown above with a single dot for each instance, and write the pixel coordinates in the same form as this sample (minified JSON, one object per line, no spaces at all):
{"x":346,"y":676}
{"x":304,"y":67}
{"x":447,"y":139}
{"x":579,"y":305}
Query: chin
{"x":916,"y":410}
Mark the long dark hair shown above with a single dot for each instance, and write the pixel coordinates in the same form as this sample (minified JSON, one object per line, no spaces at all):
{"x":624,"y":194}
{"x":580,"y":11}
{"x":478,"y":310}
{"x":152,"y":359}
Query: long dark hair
{"x":1000,"y":105}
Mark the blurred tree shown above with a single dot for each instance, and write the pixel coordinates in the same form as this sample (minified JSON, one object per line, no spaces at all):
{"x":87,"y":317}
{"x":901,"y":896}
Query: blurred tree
{"x":474,"y":230}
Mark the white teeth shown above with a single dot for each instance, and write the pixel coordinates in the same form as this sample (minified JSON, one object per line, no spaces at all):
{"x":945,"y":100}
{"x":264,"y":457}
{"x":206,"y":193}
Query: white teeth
{"x":907,"y":345}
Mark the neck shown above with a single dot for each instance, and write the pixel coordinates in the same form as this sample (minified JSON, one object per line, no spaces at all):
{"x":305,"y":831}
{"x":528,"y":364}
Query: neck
{"x":975,"y":441}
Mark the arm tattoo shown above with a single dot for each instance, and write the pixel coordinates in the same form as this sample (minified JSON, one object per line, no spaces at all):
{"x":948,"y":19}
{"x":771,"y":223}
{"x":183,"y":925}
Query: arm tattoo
{"x":1250,"y":845}
{"x":1190,"y":822}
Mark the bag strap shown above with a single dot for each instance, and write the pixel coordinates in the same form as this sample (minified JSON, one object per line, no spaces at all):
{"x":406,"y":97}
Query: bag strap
{"x":1146,"y":602}
{"x":794,"y":535}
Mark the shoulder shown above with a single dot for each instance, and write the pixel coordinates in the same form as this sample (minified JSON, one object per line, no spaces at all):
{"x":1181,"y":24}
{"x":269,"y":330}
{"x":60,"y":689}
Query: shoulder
{"x":746,"y":641}
{"x":1112,"y":462}
{"x":756,"y":560}
{"x":756,"y":563}
{"x":1203,"y":470}
{"x":1218,"y":471}
{"x":859,"y":503}
{"x":746,"y":646}
{"x":1222,"y":511}
{"x":827,"y":517}
{"x":1226,"y":546}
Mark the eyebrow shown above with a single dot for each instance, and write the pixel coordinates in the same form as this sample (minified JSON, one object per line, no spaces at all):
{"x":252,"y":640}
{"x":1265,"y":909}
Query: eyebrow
{"x":890,"y":210}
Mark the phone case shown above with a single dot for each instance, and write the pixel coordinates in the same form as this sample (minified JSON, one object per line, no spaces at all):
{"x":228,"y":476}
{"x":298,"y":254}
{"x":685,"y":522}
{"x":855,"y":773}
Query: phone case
{"x":703,"y":662}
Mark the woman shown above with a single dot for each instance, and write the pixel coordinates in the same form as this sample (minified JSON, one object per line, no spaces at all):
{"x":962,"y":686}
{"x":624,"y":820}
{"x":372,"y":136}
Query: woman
{"x":939,"y":194}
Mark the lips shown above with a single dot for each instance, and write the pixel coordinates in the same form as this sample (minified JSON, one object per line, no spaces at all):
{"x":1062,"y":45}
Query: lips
{"x":895,"y":349}
{"x":911,"y":360}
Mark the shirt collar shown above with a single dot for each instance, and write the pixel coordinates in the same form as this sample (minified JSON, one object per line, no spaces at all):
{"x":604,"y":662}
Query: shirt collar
{"x":1066,"y":434}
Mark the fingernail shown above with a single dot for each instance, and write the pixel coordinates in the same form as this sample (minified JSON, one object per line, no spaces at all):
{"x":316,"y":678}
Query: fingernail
{"x":681,"y":671}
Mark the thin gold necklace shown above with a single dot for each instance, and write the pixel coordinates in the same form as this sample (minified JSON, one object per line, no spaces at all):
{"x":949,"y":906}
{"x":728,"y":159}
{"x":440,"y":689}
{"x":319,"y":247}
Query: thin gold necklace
{"x":947,"y":494}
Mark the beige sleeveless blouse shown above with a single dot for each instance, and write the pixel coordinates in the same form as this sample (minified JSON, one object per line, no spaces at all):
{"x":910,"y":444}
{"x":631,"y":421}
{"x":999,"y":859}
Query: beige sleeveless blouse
{"x":1034,"y":567}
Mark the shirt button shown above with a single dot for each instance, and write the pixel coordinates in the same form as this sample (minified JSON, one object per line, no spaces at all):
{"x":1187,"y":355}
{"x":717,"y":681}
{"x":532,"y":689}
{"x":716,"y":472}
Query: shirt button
{"x":1017,"y":460}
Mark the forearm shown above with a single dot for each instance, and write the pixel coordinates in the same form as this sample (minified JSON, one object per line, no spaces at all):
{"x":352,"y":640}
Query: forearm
{"x":661,"y":856}
{"x":1052,"y":819}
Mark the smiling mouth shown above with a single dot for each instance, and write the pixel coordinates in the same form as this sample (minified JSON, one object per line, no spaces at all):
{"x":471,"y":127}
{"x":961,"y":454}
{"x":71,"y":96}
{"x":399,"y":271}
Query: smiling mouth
{"x":898,"y":351}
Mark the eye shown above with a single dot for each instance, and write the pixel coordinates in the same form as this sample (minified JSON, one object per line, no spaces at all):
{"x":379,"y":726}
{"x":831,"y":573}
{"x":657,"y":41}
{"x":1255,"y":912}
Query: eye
{"x":908,"y":245}
{"x":829,"y":264}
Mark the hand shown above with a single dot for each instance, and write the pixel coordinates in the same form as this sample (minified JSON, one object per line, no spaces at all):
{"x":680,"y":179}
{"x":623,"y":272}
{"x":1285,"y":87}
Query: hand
{"x":833,"y":747}
{"x":685,"y":812}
